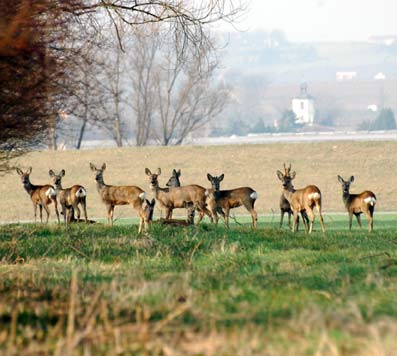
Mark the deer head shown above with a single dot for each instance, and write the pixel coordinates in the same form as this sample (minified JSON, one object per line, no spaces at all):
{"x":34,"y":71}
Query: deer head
{"x":98,"y":172}
{"x":215,"y":181}
{"x":56,"y":178}
{"x":153,"y":177}
{"x":286,"y":177}
{"x":174,"y":179}
{"x":24,"y":175}
{"x":148,"y":210}
{"x":345,"y":184}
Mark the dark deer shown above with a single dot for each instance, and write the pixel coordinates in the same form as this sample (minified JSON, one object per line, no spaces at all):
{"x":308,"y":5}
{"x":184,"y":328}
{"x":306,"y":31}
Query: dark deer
{"x":174,"y":179}
{"x":69,"y":198}
{"x":119,"y":195}
{"x":41,"y":195}
{"x":190,"y":211}
{"x":177,"y":197}
{"x":356,"y":204}
{"x":230,"y":199}
{"x":285,"y":207}
{"x":301,"y":200}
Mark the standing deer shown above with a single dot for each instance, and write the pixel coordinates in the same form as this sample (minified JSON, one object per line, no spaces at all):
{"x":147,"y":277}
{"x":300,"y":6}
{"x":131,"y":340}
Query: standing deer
{"x":41,"y":195}
{"x":69,"y":198}
{"x":177,"y":197}
{"x":301,"y":200}
{"x":119,"y":195}
{"x":229,"y":199}
{"x":357,"y":204}
{"x":174,"y":179}
{"x":285,"y":207}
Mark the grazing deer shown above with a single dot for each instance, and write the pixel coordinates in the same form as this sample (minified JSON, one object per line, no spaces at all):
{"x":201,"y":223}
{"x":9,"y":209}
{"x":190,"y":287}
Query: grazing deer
{"x":358,"y":203}
{"x":69,"y":198}
{"x":119,"y":195}
{"x":285,"y":207}
{"x":177,"y":197}
{"x":229,"y":199}
{"x":190,"y":210}
{"x":41,"y":195}
{"x":301,"y":200}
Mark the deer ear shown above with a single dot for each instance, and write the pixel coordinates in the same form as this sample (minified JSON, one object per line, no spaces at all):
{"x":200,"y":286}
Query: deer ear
{"x":280,"y":175}
{"x":340,"y":179}
{"x":19,"y":171}
{"x":153,"y":202}
{"x":147,"y":171}
{"x":220,"y":178}
{"x":51,"y":173}
{"x":351,"y":179}
{"x":93,"y":168}
{"x":293,"y":175}
{"x":158,"y":171}
{"x":103,"y":167}
{"x":178,"y":173}
{"x":209,"y":177}
{"x":62,"y":173}
{"x":29,"y":170}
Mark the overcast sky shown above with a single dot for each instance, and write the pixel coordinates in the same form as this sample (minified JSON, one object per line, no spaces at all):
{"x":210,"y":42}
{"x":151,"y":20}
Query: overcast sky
{"x":323,"y":20}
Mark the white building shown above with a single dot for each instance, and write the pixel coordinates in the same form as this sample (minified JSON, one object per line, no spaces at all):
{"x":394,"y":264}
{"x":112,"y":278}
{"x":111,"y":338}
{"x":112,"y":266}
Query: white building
{"x":344,"y":76}
{"x":303,"y":107}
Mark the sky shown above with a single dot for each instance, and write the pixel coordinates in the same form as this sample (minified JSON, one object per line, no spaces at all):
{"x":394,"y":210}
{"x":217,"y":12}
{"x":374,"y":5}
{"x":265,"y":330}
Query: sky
{"x":323,"y":20}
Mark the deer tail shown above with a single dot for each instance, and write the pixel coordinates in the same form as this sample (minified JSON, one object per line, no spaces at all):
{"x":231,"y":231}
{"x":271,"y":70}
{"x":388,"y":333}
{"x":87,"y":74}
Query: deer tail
{"x":254,"y":195}
{"x":81,"y":192}
{"x":370,"y":200}
{"x":51,"y":193}
{"x":142,"y":196}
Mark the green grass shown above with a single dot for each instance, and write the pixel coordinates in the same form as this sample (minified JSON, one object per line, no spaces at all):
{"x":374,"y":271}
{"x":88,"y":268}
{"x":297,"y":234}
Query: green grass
{"x":199,"y":290}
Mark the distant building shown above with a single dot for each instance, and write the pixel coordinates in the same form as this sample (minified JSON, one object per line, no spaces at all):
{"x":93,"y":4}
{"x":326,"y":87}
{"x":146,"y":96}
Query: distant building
{"x":384,"y":40}
{"x":380,"y":76}
{"x":372,"y":107}
{"x":343,"y":76}
{"x":303,"y":107}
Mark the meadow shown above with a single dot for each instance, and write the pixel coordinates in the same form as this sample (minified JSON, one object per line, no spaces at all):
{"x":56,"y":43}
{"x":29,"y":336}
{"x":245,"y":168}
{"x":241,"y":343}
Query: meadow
{"x":372,"y":163}
{"x":206,"y":290}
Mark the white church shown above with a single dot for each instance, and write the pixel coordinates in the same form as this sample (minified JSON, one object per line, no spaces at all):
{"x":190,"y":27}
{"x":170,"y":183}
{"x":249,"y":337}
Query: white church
{"x":303,"y":107}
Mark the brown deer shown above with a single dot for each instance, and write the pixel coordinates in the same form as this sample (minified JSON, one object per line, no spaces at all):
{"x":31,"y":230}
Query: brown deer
{"x":177,"y":197}
{"x":285,"y":207}
{"x":69,"y":198}
{"x":119,"y":195}
{"x":41,"y":195}
{"x":301,"y":200}
{"x":229,"y":199}
{"x":190,"y":211}
{"x":356,"y":204}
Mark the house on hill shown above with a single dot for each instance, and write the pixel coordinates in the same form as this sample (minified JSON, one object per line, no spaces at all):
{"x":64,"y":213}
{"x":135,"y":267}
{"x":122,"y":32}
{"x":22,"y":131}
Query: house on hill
{"x":303,"y":107}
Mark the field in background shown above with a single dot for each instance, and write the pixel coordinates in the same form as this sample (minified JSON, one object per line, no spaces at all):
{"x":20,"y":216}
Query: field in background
{"x":373,"y":163}
{"x":197,"y":291}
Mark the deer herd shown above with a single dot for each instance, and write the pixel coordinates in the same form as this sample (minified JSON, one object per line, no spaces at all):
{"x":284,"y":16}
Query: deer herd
{"x":206,"y":201}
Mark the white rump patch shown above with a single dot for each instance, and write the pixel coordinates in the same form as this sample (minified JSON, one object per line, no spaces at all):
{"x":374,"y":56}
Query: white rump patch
{"x":254,"y":195}
{"x":142,"y":196}
{"x":370,"y":201}
{"x":50,"y":193}
{"x":81,"y":193}
{"x":207,"y":193}
{"x":313,"y":196}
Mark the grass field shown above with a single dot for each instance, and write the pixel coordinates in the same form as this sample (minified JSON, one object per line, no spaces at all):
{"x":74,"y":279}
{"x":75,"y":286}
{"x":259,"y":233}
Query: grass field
{"x":198,"y":291}
{"x":372,"y":163}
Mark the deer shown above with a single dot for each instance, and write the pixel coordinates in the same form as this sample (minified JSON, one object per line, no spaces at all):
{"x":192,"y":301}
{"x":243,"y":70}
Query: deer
{"x":41,"y":195}
{"x":190,"y":212}
{"x":301,"y":200}
{"x":69,"y":198}
{"x":112,"y":195}
{"x":229,"y":199}
{"x":177,"y":197}
{"x":174,"y":179}
{"x":285,"y":207}
{"x":356,"y":204}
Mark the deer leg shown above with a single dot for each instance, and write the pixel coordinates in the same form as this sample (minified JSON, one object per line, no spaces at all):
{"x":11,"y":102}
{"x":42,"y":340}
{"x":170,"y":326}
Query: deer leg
{"x":282,"y":217}
{"x":320,"y":215}
{"x":110,"y":208}
{"x":227,"y":213}
{"x":77,"y":210}
{"x":47,"y":210}
{"x":350,"y":220}
{"x":56,"y":210}
{"x":254,"y":215}
{"x":35,"y":212}
{"x":359,"y":220}
{"x":295,"y":224}
{"x":370,"y":220}
{"x":84,"y":206}
{"x":310,"y":214}
{"x":64,"y":212}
